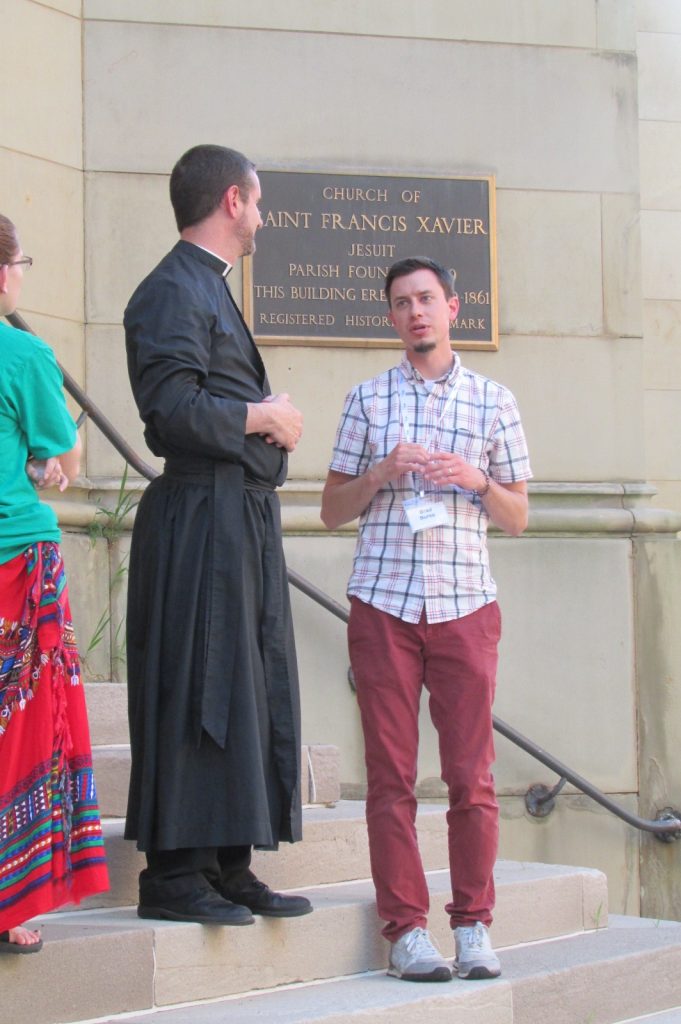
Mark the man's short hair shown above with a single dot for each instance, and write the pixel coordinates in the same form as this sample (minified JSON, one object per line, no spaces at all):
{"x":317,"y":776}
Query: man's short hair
{"x":402,"y":268}
{"x":200,"y":179}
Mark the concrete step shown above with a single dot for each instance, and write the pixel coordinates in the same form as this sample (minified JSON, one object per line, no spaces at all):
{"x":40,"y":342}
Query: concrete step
{"x":666,"y":1017}
{"x":581,"y":979}
{"x":116,"y":963}
{"x":320,"y":767}
{"x":334,"y":849}
{"x":107,"y":710}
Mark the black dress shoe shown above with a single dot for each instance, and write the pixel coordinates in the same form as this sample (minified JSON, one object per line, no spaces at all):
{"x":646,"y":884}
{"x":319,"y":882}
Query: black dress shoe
{"x":205,"y":906}
{"x":260,"y":899}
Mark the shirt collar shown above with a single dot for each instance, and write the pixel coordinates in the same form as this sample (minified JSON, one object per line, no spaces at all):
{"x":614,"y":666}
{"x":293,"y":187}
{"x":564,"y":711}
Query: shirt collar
{"x":409,"y":372}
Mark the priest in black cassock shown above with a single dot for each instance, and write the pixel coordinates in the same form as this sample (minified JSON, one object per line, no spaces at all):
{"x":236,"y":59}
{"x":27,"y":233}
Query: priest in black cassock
{"x":213,"y":688}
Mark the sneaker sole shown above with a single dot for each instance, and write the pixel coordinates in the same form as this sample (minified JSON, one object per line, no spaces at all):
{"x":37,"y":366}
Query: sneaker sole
{"x":479,"y":973}
{"x":437,"y":974}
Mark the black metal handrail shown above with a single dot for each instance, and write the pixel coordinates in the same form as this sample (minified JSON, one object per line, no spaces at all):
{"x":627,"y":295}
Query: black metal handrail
{"x":539,"y":800}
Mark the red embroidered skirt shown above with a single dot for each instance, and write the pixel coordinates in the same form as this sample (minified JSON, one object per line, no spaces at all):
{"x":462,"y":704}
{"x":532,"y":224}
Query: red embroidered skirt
{"x":51,"y":847}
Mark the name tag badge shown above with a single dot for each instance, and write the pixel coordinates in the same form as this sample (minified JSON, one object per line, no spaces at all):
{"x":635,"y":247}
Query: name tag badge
{"x":423,"y":513}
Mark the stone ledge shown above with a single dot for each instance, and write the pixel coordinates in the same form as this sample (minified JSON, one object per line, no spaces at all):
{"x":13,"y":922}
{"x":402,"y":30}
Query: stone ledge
{"x":610,"y":508}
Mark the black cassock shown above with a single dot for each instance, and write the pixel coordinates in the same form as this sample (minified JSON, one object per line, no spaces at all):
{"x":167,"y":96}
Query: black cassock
{"x":212,"y":679}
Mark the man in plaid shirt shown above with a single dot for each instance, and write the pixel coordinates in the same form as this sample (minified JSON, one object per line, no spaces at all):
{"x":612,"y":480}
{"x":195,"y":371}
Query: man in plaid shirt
{"x":426,"y":455}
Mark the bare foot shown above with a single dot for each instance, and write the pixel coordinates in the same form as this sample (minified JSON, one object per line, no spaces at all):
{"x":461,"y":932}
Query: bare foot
{"x":23,"y":937}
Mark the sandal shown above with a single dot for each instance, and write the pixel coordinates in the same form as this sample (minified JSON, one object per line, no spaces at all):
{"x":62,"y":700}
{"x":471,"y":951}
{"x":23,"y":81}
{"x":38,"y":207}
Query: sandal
{"x":18,"y":947}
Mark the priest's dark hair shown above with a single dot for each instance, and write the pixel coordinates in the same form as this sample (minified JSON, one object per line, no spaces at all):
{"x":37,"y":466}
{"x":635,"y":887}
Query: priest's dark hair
{"x":402,"y":268}
{"x":200,"y":179}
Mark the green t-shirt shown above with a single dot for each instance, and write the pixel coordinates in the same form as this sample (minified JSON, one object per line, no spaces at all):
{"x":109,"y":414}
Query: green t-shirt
{"x":34,"y":421}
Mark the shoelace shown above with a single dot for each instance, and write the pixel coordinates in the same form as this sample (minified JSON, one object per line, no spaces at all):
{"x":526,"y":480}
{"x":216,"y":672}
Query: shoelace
{"x":418,"y":942}
{"x":476,"y":939}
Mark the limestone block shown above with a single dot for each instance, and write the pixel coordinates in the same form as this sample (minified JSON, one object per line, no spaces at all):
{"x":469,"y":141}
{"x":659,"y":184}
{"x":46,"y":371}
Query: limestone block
{"x":579,"y":831}
{"x":304,"y":776}
{"x":616,"y":25}
{"x":329,"y":707}
{"x":594,"y":900}
{"x":124,"y":862}
{"x":324,"y":776}
{"x":72,"y":7}
{"x":87,"y":570}
{"x":659,"y":77}
{"x":120,"y":564}
{"x":107,"y":707}
{"x":660,"y":157}
{"x":556,"y":907}
{"x":129,"y":226}
{"x":580,"y":403}
{"x":621,"y":265}
{"x":527,"y":21}
{"x":67,"y":339}
{"x":204,"y":963}
{"x":513,"y":93}
{"x":658,"y":16}
{"x":550,"y":263}
{"x":566,"y":677}
{"x":300,"y":372}
{"x":54,"y":285}
{"x":84,"y":971}
{"x":661,"y":238}
{"x":546,"y":604}
{"x":662,"y":351}
{"x":112,"y":776}
{"x":668,"y":494}
{"x":662,"y":411}
{"x":194,"y":962}
{"x":41,"y":71}
{"x":658,"y":644}
{"x":108,"y":385}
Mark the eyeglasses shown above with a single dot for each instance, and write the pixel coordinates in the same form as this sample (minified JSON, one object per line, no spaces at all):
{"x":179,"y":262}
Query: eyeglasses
{"x":26,"y":262}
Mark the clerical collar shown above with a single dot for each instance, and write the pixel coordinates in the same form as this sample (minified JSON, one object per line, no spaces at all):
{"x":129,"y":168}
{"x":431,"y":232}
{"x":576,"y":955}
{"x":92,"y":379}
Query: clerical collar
{"x":208,"y":258}
{"x":228,"y":266}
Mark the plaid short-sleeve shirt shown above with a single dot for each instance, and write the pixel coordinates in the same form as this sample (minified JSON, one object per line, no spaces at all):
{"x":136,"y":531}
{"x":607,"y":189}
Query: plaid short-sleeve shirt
{"x":446,"y":568}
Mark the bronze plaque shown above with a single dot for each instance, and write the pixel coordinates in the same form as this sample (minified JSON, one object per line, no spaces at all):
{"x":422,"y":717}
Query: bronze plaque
{"x":327,"y":241}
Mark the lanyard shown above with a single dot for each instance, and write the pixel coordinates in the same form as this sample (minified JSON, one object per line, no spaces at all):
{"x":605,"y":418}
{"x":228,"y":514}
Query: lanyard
{"x":405,"y":422}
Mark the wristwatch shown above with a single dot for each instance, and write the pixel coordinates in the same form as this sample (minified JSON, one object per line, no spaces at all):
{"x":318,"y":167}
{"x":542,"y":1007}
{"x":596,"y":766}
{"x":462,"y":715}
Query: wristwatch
{"x":482,"y":491}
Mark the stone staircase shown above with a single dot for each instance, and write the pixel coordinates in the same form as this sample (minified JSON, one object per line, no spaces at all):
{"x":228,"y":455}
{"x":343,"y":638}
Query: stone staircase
{"x":564,"y":960}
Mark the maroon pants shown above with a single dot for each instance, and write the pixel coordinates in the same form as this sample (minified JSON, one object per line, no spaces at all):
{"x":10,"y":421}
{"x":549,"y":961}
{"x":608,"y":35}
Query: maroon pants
{"x":456,"y":661}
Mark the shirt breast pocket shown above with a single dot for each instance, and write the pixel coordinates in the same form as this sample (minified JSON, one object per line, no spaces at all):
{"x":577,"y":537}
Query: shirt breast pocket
{"x":470,"y":446}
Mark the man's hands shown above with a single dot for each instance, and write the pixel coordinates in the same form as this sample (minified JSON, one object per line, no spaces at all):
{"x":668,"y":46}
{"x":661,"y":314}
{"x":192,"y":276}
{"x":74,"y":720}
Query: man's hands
{"x":277,"y":420}
{"x":441,"y":468}
{"x":446,"y":469}
{"x":404,"y":458}
{"x":46,"y":473}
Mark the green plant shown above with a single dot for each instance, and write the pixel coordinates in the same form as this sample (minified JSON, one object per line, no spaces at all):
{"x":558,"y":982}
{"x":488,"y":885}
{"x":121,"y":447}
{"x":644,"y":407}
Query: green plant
{"x":597,"y":915}
{"x":111,"y":521}
{"x":109,"y":524}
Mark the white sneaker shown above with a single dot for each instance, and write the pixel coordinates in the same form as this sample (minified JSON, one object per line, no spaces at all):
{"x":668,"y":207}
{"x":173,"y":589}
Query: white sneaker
{"x":414,"y":958}
{"x":475,"y":957}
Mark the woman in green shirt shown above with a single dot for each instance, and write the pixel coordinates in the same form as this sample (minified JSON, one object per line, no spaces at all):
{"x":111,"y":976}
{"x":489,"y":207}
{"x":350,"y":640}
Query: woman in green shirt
{"x":51,"y":849}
